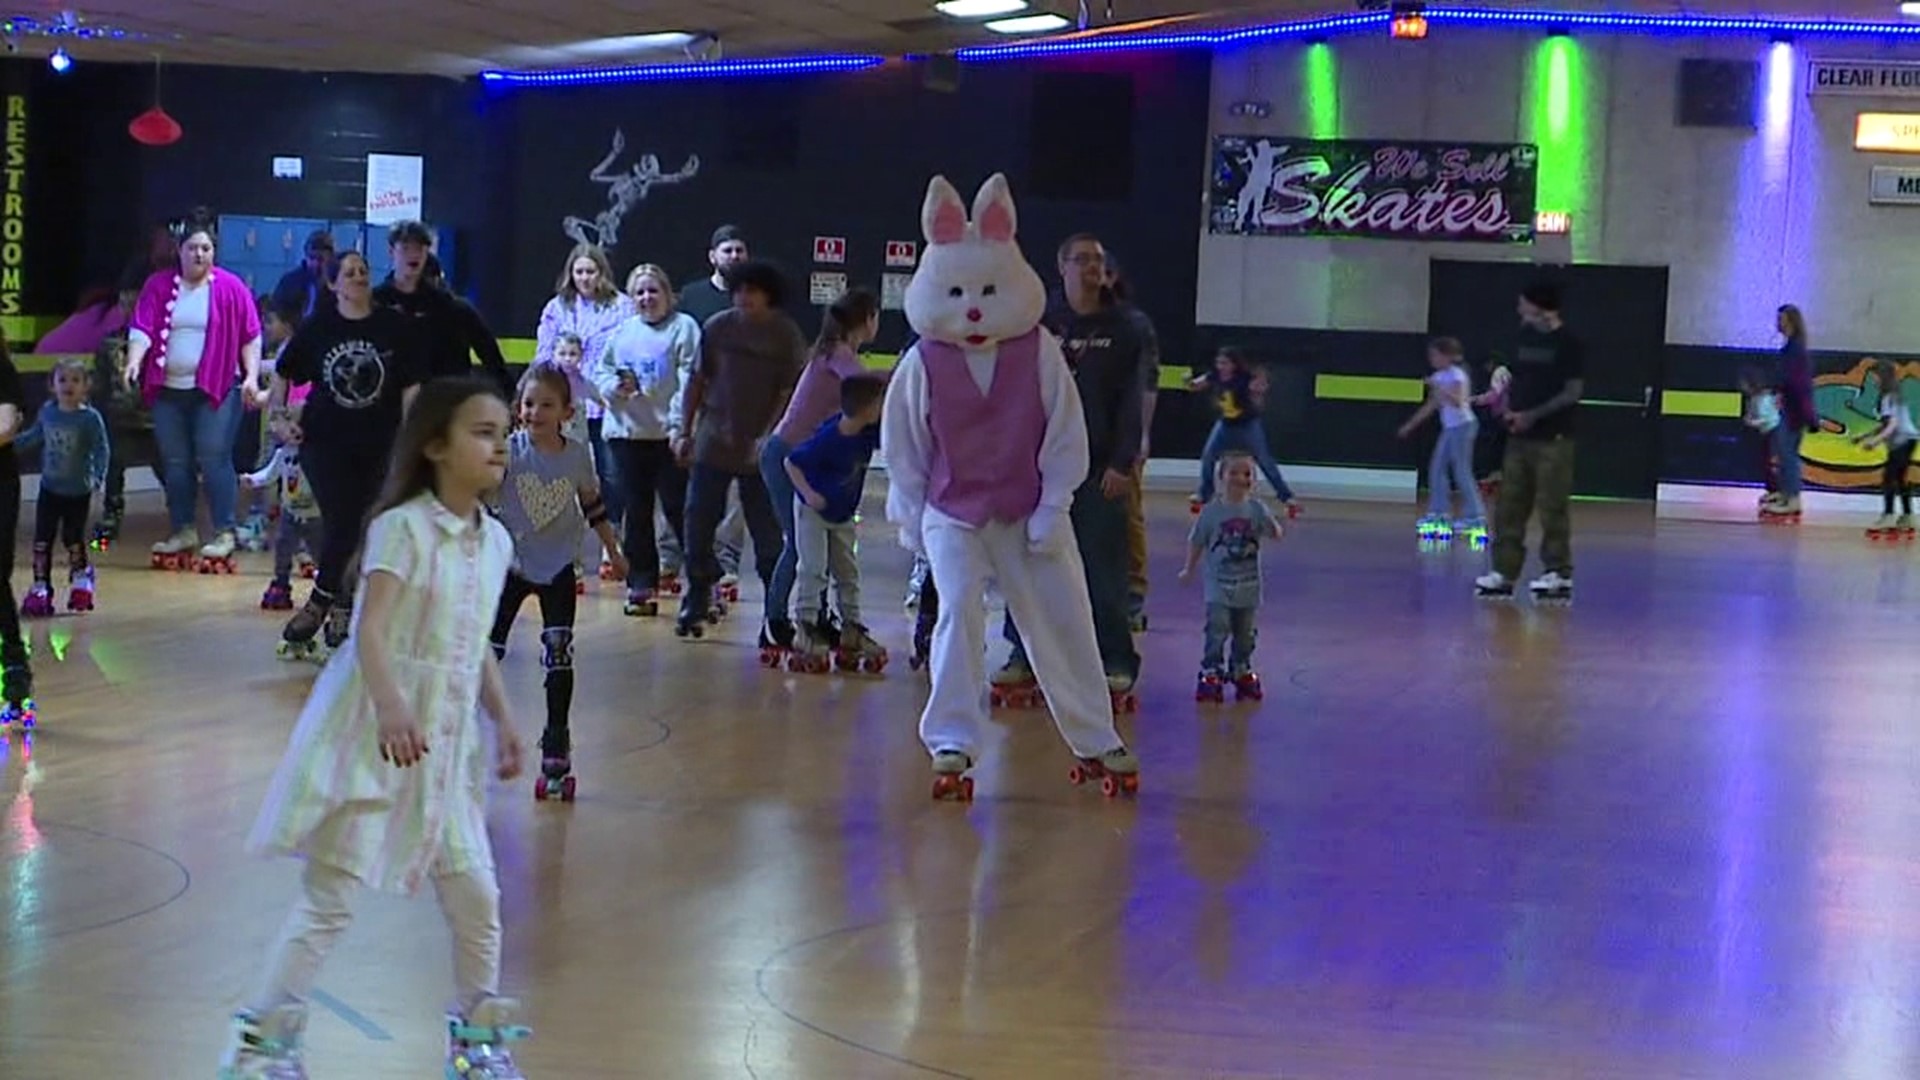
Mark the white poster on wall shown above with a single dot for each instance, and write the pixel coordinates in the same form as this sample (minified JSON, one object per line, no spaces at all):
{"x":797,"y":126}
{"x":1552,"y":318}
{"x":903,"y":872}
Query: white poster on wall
{"x":825,"y":286}
{"x":396,"y":188}
{"x":893,"y":291}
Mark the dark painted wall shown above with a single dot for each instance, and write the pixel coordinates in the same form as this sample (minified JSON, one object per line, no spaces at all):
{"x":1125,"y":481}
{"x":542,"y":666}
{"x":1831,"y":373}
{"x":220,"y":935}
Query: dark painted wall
{"x":850,"y":155}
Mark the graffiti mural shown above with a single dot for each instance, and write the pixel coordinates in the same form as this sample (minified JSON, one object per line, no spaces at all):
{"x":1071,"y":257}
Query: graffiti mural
{"x":1848,"y":403}
{"x":626,"y":189}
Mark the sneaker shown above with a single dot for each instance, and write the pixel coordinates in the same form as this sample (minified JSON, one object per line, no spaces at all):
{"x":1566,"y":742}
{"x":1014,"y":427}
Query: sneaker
{"x":1493,"y":583}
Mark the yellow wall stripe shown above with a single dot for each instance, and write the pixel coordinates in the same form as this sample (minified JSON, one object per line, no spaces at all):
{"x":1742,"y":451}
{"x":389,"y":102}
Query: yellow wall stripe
{"x":1369,"y":388}
{"x":1711,"y":403}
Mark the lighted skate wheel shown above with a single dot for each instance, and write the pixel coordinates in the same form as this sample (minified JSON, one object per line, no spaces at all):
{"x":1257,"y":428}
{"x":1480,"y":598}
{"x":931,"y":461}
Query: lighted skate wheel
{"x":567,"y":787}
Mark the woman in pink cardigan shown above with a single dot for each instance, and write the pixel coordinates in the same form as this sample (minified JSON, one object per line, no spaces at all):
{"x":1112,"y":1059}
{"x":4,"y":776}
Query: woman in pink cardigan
{"x":193,"y":351}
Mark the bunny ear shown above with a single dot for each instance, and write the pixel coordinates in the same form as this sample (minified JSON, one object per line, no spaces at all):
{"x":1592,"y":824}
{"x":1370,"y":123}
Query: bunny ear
{"x":943,"y":217}
{"x":993,"y":210}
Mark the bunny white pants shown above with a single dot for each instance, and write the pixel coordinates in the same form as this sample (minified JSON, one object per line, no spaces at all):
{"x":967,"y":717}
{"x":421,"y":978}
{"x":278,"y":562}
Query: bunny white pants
{"x":1047,"y":597}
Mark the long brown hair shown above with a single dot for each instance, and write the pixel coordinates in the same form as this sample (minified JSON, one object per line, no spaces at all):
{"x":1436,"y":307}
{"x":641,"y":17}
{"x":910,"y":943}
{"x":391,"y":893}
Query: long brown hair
{"x":429,"y":420}
{"x":1796,"y":323}
{"x":604,"y":293}
{"x":846,"y":314}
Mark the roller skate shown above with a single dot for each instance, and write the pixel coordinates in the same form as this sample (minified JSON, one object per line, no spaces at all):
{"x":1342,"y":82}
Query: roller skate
{"x":857,"y":651}
{"x":1210,"y":688}
{"x":216,"y":557}
{"x":176,"y":552}
{"x":717,"y":607}
{"x":641,"y":603}
{"x":1474,"y":530}
{"x":556,"y":771}
{"x":1780,"y":511}
{"x":251,"y":534}
{"x":1195,"y":504}
{"x":1903,"y":525}
{"x":1552,"y":588}
{"x":38,"y":603}
{"x":108,"y":530}
{"x":339,"y":624}
{"x":1293,"y":509}
{"x":1120,"y":691}
{"x":298,"y":638}
{"x":1882,"y":529}
{"x":692,"y":620}
{"x":606,"y":571}
{"x":811,"y":653}
{"x":950,"y":779}
{"x":305,"y":566}
{"x":669,"y":583}
{"x":1246,"y":687}
{"x":278,"y":597}
{"x":1117,"y":770}
{"x":727,"y":589}
{"x":1434,"y":528}
{"x":477,"y":1042}
{"x":16,"y":687}
{"x":1014,"y":687}
{"x":776,"y":642}
{"x":1493,"y":585}
{"x":266,"y":1047}
{"x":80,"y":582}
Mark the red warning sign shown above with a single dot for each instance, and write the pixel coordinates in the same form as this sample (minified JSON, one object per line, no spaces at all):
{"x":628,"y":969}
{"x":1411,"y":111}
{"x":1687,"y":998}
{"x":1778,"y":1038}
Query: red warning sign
{"x":902,"y":253}
{"x":830,"y":249}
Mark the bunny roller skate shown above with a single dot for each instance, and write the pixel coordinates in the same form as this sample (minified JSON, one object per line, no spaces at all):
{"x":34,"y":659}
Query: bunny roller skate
{"x":857,"y":651}
{"x":950,"y":779}
{"x":176,"y":552}
{"x":1117,"y":770}
{"x":477,"y":1042}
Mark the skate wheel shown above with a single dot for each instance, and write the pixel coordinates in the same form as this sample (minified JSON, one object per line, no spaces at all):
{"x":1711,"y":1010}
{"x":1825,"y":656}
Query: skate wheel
{"x":567,"y":787}
{"x":1078,"y":775}
{"x":1110,"y":785}
{"x":540,"y":789}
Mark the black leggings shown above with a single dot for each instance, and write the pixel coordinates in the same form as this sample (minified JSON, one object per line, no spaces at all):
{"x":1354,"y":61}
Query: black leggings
{"x":346,"y":479}
{"x":13,"y":648}
{"x":647,"y":470}
{"x":558,"y":604}
{"x":61,"y":517}
{"x":1893,"y":480}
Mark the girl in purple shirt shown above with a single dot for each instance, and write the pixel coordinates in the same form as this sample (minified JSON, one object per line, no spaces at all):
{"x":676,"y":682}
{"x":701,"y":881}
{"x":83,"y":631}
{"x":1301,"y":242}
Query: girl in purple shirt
{"x":850,"y":322}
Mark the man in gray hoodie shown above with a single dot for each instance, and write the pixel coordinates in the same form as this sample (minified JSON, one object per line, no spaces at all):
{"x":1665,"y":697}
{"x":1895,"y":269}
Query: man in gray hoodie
{"x":1109,"y":354}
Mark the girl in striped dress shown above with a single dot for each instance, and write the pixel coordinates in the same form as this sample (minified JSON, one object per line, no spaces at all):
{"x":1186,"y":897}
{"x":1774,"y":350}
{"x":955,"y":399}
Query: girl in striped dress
{"x":384,"y":781}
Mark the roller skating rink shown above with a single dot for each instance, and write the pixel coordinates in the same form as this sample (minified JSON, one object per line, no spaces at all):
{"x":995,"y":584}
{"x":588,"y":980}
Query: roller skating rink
{"x":1666,"y":832}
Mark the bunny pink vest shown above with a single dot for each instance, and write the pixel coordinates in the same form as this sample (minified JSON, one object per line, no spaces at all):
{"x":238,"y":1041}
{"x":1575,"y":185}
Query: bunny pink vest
{"x":986,"y":447}
{"x":233,"y":319}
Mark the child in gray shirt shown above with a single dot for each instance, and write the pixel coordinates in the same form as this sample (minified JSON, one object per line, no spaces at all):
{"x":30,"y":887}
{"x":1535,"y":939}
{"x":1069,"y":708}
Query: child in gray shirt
{"x":1227,"y":535}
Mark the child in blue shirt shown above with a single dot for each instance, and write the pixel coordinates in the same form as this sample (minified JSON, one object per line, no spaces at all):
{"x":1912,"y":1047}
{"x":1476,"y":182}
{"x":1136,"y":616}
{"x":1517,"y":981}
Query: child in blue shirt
{"x":1227,"y":536}
{"x":829,"y":473}
{"x":72,"y":464}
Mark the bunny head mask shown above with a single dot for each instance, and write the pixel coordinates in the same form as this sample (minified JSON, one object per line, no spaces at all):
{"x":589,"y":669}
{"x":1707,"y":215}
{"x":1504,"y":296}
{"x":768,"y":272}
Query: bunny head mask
{"x":974,"y":288}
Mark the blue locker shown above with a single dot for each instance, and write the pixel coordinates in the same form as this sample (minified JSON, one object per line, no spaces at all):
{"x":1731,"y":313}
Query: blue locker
{"x":348,"y":236}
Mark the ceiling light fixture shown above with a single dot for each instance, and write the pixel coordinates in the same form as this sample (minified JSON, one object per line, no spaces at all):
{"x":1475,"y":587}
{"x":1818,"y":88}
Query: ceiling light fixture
{"x":1911,"y":9}
{"x":721,"y":69}
{"x":1028,"y":24}
{"x":978,"y":9}
{"x":60,"y":62}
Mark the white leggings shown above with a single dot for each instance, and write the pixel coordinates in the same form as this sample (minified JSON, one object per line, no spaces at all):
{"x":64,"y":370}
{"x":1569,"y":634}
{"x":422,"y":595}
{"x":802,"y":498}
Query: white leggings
{"x":470,"y":901}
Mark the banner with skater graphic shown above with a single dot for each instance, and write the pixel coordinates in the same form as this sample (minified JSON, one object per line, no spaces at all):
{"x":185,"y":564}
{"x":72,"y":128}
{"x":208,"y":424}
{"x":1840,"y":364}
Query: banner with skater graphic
{"x":1378,"y":189}
{"x":1848,"y":404}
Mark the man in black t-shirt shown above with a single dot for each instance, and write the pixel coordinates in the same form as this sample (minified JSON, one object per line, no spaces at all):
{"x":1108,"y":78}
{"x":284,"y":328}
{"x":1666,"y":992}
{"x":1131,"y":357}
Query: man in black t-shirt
{"x":1549,"y":375}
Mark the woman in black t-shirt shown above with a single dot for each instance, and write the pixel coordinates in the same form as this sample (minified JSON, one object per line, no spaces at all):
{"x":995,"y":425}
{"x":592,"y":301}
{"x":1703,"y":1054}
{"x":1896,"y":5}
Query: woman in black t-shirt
{"x":363,"y":362}
{"x":1238,"y":390}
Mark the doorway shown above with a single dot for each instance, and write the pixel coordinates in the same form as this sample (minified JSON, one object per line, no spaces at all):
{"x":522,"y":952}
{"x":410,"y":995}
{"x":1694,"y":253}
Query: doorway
{"x":1618,"y":312}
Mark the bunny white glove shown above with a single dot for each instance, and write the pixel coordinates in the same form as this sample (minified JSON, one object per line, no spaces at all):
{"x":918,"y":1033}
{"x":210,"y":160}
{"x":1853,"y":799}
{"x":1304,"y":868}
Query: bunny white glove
{"x":912,"y":539}
{"x":1045,"y":531}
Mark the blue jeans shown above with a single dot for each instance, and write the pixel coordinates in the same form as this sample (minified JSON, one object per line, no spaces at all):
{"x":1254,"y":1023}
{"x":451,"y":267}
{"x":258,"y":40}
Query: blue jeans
{"x":1786,"y":446}
{"x":1224,"y":624}
{"x":1247,"y":436}
{"x":1453,"y":461}
{"x":773,"y":472}
{"x":195,"y":440}
{"x":613,"y":492}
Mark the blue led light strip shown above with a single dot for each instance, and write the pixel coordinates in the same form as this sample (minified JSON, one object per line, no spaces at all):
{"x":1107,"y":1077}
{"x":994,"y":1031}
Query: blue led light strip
{"x":1378,"y":20}
{"x":720,"y":69}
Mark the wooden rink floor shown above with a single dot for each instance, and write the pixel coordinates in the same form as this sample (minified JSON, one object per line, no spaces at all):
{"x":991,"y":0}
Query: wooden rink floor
{"x":1671,"y":831}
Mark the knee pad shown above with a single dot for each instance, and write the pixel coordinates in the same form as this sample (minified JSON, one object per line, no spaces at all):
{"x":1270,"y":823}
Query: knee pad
{"x":556,"y":648}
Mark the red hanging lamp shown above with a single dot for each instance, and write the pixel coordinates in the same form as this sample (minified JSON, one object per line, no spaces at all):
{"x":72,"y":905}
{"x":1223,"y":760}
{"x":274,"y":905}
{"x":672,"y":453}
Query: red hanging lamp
{"x":154,"y":127}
